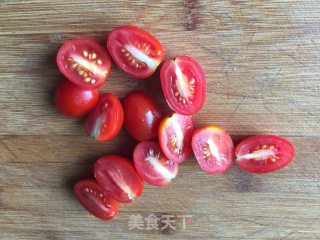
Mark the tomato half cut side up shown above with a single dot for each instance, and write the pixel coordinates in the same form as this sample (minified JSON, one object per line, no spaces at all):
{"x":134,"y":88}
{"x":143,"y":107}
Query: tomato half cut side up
{"x":183,"y":85}
{"x":213,"y":148}
{"x":95,"y":199}
{"x":104,"y":122}
{"x":135,"y":51}
{"x":118,"y":176}
{"x":264,"y":153}
{"x":84,"y":62}
{"x":152,"y":165}
{"x":175,"y":134}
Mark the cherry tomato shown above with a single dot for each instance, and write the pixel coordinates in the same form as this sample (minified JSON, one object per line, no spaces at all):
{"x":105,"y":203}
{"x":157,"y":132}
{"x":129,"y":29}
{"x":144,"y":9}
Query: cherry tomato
{"x":175,"y":133}
{"x":135,"y":51}
{"x":152,"y":165}
{"x":95,"y":199}
{"x":264,"y":153}
{"x":183,"y":85}
{"x":104,"y":122}
{"x":141,"y":116}
{"x":84,"y":62}
{"x":213,"y":148}
{"x":118,"y":176}
{"x":74,"y":101}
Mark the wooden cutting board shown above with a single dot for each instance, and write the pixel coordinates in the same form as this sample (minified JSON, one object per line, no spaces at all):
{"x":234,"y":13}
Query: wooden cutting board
{"x":262,"y":62}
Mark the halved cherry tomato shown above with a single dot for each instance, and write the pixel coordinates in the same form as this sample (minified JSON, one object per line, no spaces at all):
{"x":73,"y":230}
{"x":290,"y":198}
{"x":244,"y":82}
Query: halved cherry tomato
{"x":95,"y":199}
{"x":183,"y":85}
{"x":175,"y":133}
{"x":213,"y":148}
{"x":152,"y":165}
{"x":104,"y":122}
{"x":141,"y":116}
{"x":118,"y":177}
{"x":135,"y":51}
{"x":264,"y":153}
{"x":74,"y":101}
{"x":84,"y":62}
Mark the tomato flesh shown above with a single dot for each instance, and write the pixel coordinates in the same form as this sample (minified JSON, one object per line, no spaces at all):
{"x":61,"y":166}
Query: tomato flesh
{"x":175,"y":134}
{"x":84,"y":62}
{"x":152,"y":165}
{"x":213,"y":148}
{"x":264,"y":153}
{"x":104,"y":122}
{"x":135,"y":51}
{"x":95,"y":199}
{"x":141,"y":116}
{"x":74,"y":101}
{"x":183,"y":85}
{"x":118,"y":177}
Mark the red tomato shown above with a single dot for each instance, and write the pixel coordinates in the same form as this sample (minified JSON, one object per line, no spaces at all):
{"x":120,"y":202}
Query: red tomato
{"x":141,"y":116}
{"x":118,"y":176}
{"x":74,"y":101}
{"x":104,"y":122}
{"x":264,"y":154}
{"x":84,"y":62}
{"x":175,"y":133}
{"x":152,"y":165}
{"x":135,"y":51}
{"x":213,"y":148}
{"x":183,"y":85}
{"x":95,"y":199}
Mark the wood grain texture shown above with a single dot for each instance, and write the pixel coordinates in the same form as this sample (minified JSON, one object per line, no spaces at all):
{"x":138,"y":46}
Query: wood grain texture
{"x":262,"y":62}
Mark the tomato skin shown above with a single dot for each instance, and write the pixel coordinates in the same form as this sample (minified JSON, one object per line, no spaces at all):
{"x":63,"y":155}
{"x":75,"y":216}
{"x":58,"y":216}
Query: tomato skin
{"x":213,"y":148}
{"x":84,"y":62}
{"x":141,"y":116}
{"x":140,"y":42}
{"x":95,"y":199}
{"x":274,"y":153}
{"x":175,"y":134}
{"x":74,"y":101}
{"x":118,"y":176}
{"x":104,"y":122}
{"x":183,"y":85}
{"x":152,"y":165}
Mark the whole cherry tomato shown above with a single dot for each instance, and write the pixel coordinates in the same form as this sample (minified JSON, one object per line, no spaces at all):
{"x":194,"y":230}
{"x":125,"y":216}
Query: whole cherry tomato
{"x":74,"y":101}
{"x":141,"y":116}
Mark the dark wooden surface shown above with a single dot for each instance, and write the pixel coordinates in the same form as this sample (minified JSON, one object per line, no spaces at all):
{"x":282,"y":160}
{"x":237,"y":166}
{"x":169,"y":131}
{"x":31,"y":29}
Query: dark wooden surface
{"x":262,"y":62}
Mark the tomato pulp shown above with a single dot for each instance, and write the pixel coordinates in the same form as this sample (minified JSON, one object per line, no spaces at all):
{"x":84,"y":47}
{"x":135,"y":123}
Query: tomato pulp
{"x":135,"y":51}
{"x":152,"y":165}
{"x":118,"y":176}
{"x":175,"y":133}
{"x":213,"y":148}
{"x":95,"y":199}
{"x":264,"y":153}
{"x":84,"y":62}
{"x":183,"y":85}
{"x":106,"y":119}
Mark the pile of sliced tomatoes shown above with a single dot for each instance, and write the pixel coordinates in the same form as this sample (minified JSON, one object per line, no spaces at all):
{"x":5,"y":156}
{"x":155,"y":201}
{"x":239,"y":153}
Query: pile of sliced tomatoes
{"x":164,"y":141}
